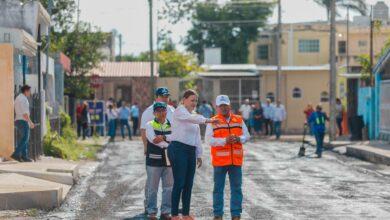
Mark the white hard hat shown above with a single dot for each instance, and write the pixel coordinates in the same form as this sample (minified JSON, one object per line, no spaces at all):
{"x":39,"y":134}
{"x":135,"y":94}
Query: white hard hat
{"x":222,"y":100}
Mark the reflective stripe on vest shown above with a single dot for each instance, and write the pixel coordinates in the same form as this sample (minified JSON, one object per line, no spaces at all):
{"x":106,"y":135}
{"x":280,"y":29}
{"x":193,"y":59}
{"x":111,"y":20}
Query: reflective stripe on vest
{"x":230,"y":154}
{"x":320,"y":120}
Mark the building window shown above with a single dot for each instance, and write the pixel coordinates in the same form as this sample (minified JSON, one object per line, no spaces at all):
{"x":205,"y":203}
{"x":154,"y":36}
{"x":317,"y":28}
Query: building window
{"x":262,"y":52}
{"x":342,"y":47}
{"x":297,"y":93}
{"x":271,"y":96}
{"x":362,"y":43}
{"x":309,"y":46}
{"x":324,"y":97}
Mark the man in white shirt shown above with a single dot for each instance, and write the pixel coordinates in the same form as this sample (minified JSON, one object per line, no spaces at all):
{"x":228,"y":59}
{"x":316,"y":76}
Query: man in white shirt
{"x":245,"y":111}
{"x":278,"y":118}
{"x":23,"y":125}
{"x":162,"y":95}
{"x":226,"y":140}
{"x":268,"y":109}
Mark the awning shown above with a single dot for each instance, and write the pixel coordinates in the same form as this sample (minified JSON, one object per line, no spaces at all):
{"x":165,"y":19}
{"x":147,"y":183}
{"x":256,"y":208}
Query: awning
{"x":228,"y":74}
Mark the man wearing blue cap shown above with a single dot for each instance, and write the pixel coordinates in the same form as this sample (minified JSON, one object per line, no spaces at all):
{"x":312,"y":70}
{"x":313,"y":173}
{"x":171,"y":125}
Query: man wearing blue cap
{"x":158,"y":166}
{"x":162,"y":95}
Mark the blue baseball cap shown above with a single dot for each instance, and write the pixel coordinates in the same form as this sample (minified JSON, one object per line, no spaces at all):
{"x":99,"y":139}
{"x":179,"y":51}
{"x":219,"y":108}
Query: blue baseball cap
{"x":162,"y":91}
{"x":158,"y":105}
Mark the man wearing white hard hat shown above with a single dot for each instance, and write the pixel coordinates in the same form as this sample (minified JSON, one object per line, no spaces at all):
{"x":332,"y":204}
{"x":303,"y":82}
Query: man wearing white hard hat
{"x":226,"y":140}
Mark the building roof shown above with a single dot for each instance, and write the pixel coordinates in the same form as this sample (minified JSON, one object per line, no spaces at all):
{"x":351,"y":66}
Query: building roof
{"x":227,"y":74}
{"x":294,"y":68}
{"x":124,"y":69}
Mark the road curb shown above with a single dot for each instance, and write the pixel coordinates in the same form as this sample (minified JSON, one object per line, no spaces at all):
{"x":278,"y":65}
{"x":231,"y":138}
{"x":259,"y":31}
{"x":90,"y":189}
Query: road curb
{"x":370,"y":154}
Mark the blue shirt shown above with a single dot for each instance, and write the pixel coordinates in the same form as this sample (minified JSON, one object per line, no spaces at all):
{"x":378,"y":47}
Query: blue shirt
{"x":318,"y":120}
{"x":205,"y":110}
{"x":124,"y":113}
{"x":134,"y":111}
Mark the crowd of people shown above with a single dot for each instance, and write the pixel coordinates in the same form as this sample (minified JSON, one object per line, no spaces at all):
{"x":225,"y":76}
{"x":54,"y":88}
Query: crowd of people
{"x":114,"y":117}
{"x":263,"y":118}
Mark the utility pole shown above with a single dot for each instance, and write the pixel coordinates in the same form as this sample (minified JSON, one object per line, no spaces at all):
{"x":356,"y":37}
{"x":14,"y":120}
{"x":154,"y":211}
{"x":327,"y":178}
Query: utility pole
{"x":279,"y":52}
{"x":49,"y":8}
{"x":347,"y":49}
{"x":333,"y":72}
{"x":120,"y":47}
{"x":78,"y":12}
{"x":372,"y":22}
{"x":151,"y":48}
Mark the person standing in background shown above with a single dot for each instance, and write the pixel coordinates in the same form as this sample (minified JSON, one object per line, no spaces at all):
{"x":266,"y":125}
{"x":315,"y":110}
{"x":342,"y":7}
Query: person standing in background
{"x":79,"y":109}
{"x":85,"y":119}
{"x":257,"y":119}
{"x":308,"y":111}
{"x":23,"y":125}
{"x":124,"y":116}
{"x":206,"y":110}
{"x":134,"y":112}
{"x":339,"y":116}
{"x":279,"y":117}
{"x":245,"y":111}
{"x":112,"y":116}
{"x":268,"y":111}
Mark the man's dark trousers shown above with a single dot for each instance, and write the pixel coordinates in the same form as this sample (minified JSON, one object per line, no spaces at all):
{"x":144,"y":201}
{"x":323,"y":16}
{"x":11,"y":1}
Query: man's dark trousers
{"x":23,"y":134}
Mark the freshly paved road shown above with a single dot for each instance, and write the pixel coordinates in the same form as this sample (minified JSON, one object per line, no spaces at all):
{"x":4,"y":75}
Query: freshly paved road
{"x":277,"y":185}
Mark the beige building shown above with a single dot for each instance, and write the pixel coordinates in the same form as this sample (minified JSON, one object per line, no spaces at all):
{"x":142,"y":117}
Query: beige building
{"x":300,"y":85}
{"x":307,"y":44}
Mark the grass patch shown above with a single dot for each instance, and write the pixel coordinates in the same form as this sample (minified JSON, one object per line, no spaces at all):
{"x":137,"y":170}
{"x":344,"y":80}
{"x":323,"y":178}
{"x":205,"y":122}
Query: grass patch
{"x":66,"y":146}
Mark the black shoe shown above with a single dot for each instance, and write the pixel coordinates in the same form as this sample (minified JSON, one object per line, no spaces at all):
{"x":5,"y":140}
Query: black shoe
{"x":218,"y":218}
{"x":26,"y":159}
{"x":165,"y":217}
{"x":17,"y":158}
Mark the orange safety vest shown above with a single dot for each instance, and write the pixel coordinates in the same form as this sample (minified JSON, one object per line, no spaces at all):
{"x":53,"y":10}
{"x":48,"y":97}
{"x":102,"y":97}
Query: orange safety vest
{"x":230,"y":154}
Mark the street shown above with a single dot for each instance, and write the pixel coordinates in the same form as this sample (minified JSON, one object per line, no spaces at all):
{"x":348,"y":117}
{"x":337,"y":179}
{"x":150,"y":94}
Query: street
{"x":276,"y":185}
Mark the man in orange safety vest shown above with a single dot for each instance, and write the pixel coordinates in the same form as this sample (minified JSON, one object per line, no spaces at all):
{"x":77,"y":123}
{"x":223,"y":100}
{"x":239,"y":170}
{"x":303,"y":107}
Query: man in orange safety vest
{"x":226,"y":140}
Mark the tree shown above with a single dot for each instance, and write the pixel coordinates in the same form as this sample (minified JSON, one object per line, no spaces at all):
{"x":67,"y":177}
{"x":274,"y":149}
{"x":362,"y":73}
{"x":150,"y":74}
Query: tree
{"x":354,"y":5}
{"x":172,"y":63}
{"x":176,"y":64}
{"x":82,"y":46}
{"x":232,"y":27}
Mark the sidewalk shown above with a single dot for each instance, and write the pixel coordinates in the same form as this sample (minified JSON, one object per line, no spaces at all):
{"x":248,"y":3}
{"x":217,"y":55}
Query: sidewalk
{"x":371,"y":151}
{"x":43,"y":184}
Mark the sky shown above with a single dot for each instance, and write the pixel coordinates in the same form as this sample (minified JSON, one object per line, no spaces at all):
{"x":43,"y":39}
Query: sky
{"x":130,"y":18}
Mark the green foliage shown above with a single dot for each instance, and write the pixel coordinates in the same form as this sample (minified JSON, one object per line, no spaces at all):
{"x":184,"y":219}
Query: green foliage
{"x":142,"y":57}
{"x":172,"y":63}
{"x":365,"y":63}
{"x":65,"y":146}
{"x":176,"y":64}
{"x":230,"y":27}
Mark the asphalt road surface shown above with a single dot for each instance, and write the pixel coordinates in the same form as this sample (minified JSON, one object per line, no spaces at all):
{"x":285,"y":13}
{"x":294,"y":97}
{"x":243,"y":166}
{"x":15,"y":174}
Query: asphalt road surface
{"x":276,"y":185}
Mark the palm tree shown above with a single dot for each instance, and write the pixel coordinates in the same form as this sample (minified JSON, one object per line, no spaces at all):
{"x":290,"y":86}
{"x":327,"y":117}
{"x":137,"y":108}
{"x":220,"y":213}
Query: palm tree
{"x":354,"y":5}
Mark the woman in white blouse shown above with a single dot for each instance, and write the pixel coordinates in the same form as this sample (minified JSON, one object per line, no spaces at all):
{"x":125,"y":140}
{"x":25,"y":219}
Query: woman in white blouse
{"x":185,"y":151}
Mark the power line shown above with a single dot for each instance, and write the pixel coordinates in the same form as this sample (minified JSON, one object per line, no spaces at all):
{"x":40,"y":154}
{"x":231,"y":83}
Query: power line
{"x":233,"y":22}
